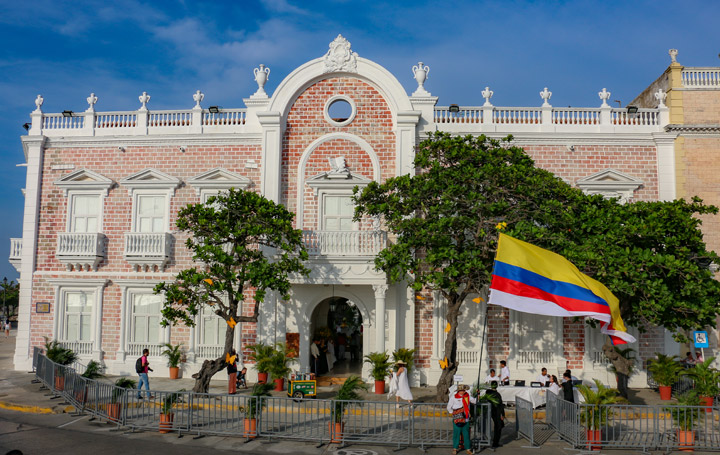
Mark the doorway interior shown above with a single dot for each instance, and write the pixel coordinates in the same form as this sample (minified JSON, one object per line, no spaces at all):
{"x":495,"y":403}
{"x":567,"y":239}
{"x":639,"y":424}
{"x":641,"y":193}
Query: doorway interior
{"x":338,"y":324}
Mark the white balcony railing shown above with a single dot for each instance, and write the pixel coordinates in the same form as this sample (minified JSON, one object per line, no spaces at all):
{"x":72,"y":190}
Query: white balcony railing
{"x":465,"y":357}
{"x":344,"y":243}
{"x":536,"y":357}
{"x":148,"y":249}
{"x":81,"y":250}
{"x":16,"y":253}
{"x":136,"y":349}
{"x":701,"y":77}
{"x":599,"y":358}
{"x":209,"y":352}
{"x":78,"y":347}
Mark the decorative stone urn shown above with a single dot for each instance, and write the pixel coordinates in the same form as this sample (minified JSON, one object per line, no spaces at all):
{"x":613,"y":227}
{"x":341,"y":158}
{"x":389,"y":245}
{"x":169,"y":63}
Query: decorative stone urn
{"x":420,"y":73}
{"x":261,"y":76}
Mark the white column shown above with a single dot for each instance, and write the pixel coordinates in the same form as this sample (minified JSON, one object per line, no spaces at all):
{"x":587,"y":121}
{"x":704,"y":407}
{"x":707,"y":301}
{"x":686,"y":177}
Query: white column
{"x":405,"y":133}
{"x":34,"y":148}
{"x":271,"y":151}
{"x":97,"y":339}
{"x":380,"y":291}
{"x":665,"y":144}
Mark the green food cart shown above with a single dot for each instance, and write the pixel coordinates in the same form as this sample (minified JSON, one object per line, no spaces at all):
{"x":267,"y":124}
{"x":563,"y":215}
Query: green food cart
{"x":302,"y":388}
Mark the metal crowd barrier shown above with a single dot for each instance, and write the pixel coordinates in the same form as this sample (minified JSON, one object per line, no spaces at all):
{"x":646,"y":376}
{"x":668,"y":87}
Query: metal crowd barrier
{"x":37,"y":351}
{"x":682,"y":385}
{"x":302,"y":419}
{"x":375,"y":422}
{"x":433,"y":426}
{"x":567,"y":421}
{"x":551,"y":414}
{"x":148,"y":414}
{"x":524,"y":419}
{"x":219,"y":414}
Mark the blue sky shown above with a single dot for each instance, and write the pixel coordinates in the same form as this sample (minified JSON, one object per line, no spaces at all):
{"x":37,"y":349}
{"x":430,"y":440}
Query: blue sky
{"x":65,"y":50}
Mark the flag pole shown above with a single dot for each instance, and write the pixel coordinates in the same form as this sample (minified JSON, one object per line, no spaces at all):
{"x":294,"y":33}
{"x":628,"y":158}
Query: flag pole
{"x":482,"y":342}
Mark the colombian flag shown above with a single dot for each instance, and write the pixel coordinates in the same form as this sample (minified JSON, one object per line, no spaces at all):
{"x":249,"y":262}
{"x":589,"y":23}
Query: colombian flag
{"x":534,"y":280}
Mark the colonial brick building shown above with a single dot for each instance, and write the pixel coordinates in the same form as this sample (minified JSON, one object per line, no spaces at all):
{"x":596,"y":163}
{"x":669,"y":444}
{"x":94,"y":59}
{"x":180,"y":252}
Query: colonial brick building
{"x":103,"y":190}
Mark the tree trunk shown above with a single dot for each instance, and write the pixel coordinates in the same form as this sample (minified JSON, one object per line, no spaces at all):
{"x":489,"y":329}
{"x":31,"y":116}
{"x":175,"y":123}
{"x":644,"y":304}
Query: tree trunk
{"x":446,"y":377}
{"x":210,"y":367}
{"x":621,"y":364}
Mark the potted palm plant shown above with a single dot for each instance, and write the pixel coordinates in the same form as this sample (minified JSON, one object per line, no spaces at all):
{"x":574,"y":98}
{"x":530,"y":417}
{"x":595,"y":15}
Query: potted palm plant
{"x":113,"y":408}
{"x":261,"y":354}
{"x":380,"y":363}
{"x":685,"y":414}
{"x":167,"y":416}
{"x":594,"y":412}
{"x":92,"y":371}
{"x":349,"y":391}
{"x":62,"y":356}
{"x":279,"y":368}
{"x":706,"y":380}
{"x":174,"y":355}
{"x":665,"y":370}
{"x":254,"y":404}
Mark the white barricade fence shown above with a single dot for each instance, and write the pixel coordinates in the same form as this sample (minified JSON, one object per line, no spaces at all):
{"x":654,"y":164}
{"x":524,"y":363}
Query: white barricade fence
{"x":524,"y":419}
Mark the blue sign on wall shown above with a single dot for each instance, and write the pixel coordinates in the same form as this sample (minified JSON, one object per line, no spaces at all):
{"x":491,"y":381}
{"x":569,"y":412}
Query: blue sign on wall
{"x":701,"y":339}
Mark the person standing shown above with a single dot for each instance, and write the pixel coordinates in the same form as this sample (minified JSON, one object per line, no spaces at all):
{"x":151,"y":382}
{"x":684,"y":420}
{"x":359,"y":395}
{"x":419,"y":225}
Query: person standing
{"x":504,"y":373}
{"x":554,"y":387}
{"x":341,"y":346}
{"x":143,"y":373}
{"x":232,"y":373}
{"x":399,"y":385}
{"x":497,"y":413}
{"x":7,"y":328}
{"x":544,"y":378}
{"x":459,"y":408}
{"x":330,"y":354}
{"x":492,"y":377}
{"x":314,"y":356}
{"x":567,"y":387}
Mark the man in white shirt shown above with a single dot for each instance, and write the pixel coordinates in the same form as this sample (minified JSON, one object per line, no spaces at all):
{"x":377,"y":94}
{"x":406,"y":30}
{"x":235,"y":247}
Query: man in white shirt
{"x":504,"y":373}
{"x":492,"y":377}
{"x":314,"y":356}
{"x":544,"y":378}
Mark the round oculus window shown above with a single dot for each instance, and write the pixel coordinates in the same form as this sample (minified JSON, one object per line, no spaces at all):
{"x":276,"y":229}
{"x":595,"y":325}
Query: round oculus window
{"x":340,"y":110}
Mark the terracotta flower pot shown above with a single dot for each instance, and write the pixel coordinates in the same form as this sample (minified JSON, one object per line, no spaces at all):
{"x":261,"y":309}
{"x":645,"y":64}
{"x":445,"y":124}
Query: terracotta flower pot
{"x":166,"y":422}
{"x":174,"y":372}
{"x":279,"y":384}
{"x":113,"y":411}
{"x":686,"y":440}
{"x":250,"y":428}
{"x":262,"y":378}
{"x":594,"y":438}
{"x":336,"y":432}
{"x":379,"y":387}
{"x":665,"y":392}
{"x":59,"y":383}
{"x":707,"y":401}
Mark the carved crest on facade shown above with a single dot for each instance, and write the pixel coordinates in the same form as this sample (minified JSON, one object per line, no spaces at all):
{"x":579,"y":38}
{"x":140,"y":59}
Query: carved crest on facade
{"x":340,"y":57}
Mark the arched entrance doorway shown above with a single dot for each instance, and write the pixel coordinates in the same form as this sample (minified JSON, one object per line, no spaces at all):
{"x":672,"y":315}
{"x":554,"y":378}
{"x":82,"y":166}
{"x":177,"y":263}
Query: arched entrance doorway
{"x":338,"y":325}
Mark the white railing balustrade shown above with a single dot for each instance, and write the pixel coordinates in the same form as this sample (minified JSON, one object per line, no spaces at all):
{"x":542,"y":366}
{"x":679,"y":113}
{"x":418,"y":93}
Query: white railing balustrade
{"x":345,"y":243}
{"x":209,"y":352}
{"x":105,"y":120}
{"x":572,"y":116}
{"x":60,"y":122}
{"x":536,"y":357}
{"x":464,"y":115}
{"x":78,"y":347}
{"x":467,"y":357}
{"x":517,"y":116}
{"x":701,"y":77}
{"x":226,"y":117}
{"x":145,"y":244}
{"x":16,"y":248}
{"x":169,"y":118}
{"x":599,"y":358}
{"x":644,"y":117}
{"x":136,"y":349}
{"x":80,"y":244}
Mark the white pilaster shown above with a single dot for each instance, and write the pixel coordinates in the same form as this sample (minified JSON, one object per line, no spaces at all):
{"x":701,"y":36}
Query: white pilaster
{"x":271,"y":154}
{"x":405,"y":131}
{"x":97,"y":335}
{"x":380,"y":291}
{"x":666,"y":165}
{"x":34,"y":149}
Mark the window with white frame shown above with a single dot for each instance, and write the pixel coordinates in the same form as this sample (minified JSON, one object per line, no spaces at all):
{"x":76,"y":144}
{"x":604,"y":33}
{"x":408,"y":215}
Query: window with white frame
{"x":212,"y":329}
{"x":77,"y":306}
{"x":151,"y":213}
{"x":145,"y":318}
{"x":337,"y":212}
{"x":85,"y":210}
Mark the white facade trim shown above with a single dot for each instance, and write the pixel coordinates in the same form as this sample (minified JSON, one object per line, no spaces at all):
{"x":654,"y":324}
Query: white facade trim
{"x":216,"y":180}
{"x":86,"y":181}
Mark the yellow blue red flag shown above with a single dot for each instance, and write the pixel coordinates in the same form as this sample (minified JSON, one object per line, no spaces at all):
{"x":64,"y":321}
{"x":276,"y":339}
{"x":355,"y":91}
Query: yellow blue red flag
{"x":533,"y":280}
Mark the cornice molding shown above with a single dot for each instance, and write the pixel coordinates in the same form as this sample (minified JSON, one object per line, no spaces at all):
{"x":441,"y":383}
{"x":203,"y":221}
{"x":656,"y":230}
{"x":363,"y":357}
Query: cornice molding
{"x":699,"y":129}
{"x":140,"y":141}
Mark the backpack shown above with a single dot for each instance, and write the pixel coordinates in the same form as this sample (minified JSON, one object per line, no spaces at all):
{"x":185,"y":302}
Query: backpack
{"x":139,"y":366}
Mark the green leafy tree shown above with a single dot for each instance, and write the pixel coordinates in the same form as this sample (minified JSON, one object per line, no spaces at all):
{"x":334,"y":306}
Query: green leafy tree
{"x":10,"y":297}
{"x":445,"y":218}
{"x":241,"y":242}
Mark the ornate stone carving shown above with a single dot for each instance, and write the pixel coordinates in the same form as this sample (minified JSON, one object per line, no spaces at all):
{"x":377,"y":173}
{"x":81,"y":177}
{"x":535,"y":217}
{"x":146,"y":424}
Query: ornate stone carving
{"x":546,"y":95}
{"x":38,"y":103}
{"x":420,"y":74}
{"x":673,"y":55}
{"x":660,"y":96}
{"x":144,"y":98}
{"x":487,"y":94}
{"x":604,"y":96}
{"x":262,"y":74}
{"x":92,"y":99}
{"x":198,"y":97}
{"x":340,"y":57}
{"x":380,"y":290}
{"x":338,"y":167}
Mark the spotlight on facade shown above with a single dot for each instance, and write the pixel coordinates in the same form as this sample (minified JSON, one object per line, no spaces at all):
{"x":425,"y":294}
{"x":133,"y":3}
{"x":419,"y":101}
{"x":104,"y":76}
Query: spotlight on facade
{"x":67,"y":113}
{"x":632,"y":110}
{"x":26,"y":126}
{"x":214,"y":109}
{"x":454,"y":108}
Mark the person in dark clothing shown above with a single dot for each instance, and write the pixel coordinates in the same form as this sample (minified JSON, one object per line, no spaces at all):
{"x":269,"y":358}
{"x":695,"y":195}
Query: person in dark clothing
{"x":567,"y":387}
{"x":497,"y":412}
